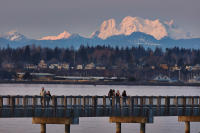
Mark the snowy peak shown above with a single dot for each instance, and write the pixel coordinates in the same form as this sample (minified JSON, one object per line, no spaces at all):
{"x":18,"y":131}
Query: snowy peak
{"x":63,"y":35}
{"x":13,"y":36}
{"x":135,"y":24}
{"x":108,"y":28}
{"x":128,"y":25}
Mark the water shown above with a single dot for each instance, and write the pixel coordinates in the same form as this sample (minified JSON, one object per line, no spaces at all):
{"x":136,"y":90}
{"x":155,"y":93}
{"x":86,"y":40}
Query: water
{"x":96,"y":125}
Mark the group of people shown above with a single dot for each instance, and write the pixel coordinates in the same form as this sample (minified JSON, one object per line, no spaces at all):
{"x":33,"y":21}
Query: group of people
{"x":117,"y":95}
{"x":46,"y":96}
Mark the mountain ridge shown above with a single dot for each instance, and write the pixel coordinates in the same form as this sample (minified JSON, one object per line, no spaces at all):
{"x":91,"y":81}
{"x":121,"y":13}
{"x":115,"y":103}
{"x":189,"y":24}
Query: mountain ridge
{"x":133,"y":40}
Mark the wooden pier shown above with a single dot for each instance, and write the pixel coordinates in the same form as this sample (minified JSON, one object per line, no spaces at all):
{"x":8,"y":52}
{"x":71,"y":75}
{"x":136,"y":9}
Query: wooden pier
{"x":131,"y":109}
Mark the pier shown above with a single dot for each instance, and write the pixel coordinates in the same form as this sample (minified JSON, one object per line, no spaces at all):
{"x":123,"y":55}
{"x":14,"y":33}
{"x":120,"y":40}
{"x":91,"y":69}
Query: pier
{"x":131,"y":109}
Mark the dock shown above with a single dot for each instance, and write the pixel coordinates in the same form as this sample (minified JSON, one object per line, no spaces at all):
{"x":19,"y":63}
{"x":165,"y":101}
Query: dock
{"x":131,"y":109}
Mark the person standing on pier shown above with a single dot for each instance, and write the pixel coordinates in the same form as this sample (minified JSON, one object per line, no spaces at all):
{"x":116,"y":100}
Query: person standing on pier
{"x":124,"y":95}
{"x":110,"y":94}
{"x":42,"y":94}
{"x":117,"y":98}
{"x":48,"y":97}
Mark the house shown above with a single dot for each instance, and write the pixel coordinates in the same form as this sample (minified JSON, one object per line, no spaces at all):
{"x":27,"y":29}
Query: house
{"x":79,"y":67}
{"x":164,"y":66}
{"x":42,"y":64}
{"x":59,"y":66}
{"x":175,"y":68}
{"x":65,"y":66}
{"x":90,"y":66}
{"x":189,"y":68}
{"x":52,"y":66}
{"x":30,"y":66}
{"x":196,"y":67}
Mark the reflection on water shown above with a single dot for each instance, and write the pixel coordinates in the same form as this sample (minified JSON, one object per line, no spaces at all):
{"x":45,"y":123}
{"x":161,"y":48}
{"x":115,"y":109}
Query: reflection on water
{"x":96,"y":125}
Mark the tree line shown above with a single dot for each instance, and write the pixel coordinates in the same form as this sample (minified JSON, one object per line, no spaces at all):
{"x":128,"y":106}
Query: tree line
{"x":101,"y":55}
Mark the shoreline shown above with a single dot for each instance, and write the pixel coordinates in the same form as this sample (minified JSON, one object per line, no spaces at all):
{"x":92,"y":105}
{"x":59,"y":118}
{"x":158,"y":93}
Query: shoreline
{"x":104,"y":83}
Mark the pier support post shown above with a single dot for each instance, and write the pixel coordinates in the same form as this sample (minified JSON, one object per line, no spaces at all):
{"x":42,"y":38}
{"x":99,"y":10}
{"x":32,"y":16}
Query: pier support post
{"x":67,"y":128}
{"x":43,"y":128}
{"x":118,"y":127}
{"x":142,"y":127}
{"x":53,"y":120}
{"x":187,"y":120}
{"x":187,"y":127}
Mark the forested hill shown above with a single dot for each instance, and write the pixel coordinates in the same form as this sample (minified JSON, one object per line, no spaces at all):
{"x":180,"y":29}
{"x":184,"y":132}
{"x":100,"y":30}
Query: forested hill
{"x":101,"y":55}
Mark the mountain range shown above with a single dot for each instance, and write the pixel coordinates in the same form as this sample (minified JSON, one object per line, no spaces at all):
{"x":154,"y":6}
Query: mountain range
{"x":132,"y":31}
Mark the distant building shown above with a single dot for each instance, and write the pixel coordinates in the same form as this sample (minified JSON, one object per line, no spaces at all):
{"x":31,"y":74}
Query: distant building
{"x":189,"y":68}
{"x":52,"y":66}
{"x":30,"y":66}
{"x":163,"y":78}
{"x":79,"y":67}
{"x":196,"y":67}
{"x":90,"y":66}
{"x":164,"y":66}
{"x":65,"y":66}
{"x":42,"y":64}
{"x":59,"y":66}
{"x":175,"y":68}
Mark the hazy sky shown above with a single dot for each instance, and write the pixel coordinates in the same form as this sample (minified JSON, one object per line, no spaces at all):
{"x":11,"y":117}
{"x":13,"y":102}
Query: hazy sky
{"x":36,"y":18}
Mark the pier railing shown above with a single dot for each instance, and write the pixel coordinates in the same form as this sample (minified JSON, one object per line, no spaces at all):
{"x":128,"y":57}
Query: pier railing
{"x":86,"y":106}
{"x":98,"y":101}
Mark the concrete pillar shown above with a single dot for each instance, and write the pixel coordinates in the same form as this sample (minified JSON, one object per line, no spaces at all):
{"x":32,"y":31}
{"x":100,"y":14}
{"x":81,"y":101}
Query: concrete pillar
{"x":118,"y":127}
{"x":142,"y":127}
{"x":187,"y":127}
{"x":67,"y":128}
{"x":43,"y":128}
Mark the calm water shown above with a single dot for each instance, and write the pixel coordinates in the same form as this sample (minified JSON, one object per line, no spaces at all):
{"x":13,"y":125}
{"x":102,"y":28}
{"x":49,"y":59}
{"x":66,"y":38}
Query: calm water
{"x":96,"y":125}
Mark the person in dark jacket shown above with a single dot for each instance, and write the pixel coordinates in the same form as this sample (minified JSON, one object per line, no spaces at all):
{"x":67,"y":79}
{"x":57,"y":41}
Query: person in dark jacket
{"x":48,"y":97}
{"x":110,"y":94}
{"x":117,"y":98}
{"x":124,"y":95}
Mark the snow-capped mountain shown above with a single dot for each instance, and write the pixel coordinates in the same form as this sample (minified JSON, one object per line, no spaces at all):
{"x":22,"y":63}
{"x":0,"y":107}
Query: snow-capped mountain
{"x":128,"y":25}
{"x":132,"y":31}
{"x":13,"y":36}
{"x":63,"y":35}
{"x":135,"y":39}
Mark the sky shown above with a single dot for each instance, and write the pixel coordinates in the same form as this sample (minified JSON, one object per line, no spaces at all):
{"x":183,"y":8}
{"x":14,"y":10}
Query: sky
{"x":38,"y":18}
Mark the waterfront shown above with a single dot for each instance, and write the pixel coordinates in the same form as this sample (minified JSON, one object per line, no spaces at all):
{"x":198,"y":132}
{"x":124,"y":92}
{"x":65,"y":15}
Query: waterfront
{"x":97,"y":125}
